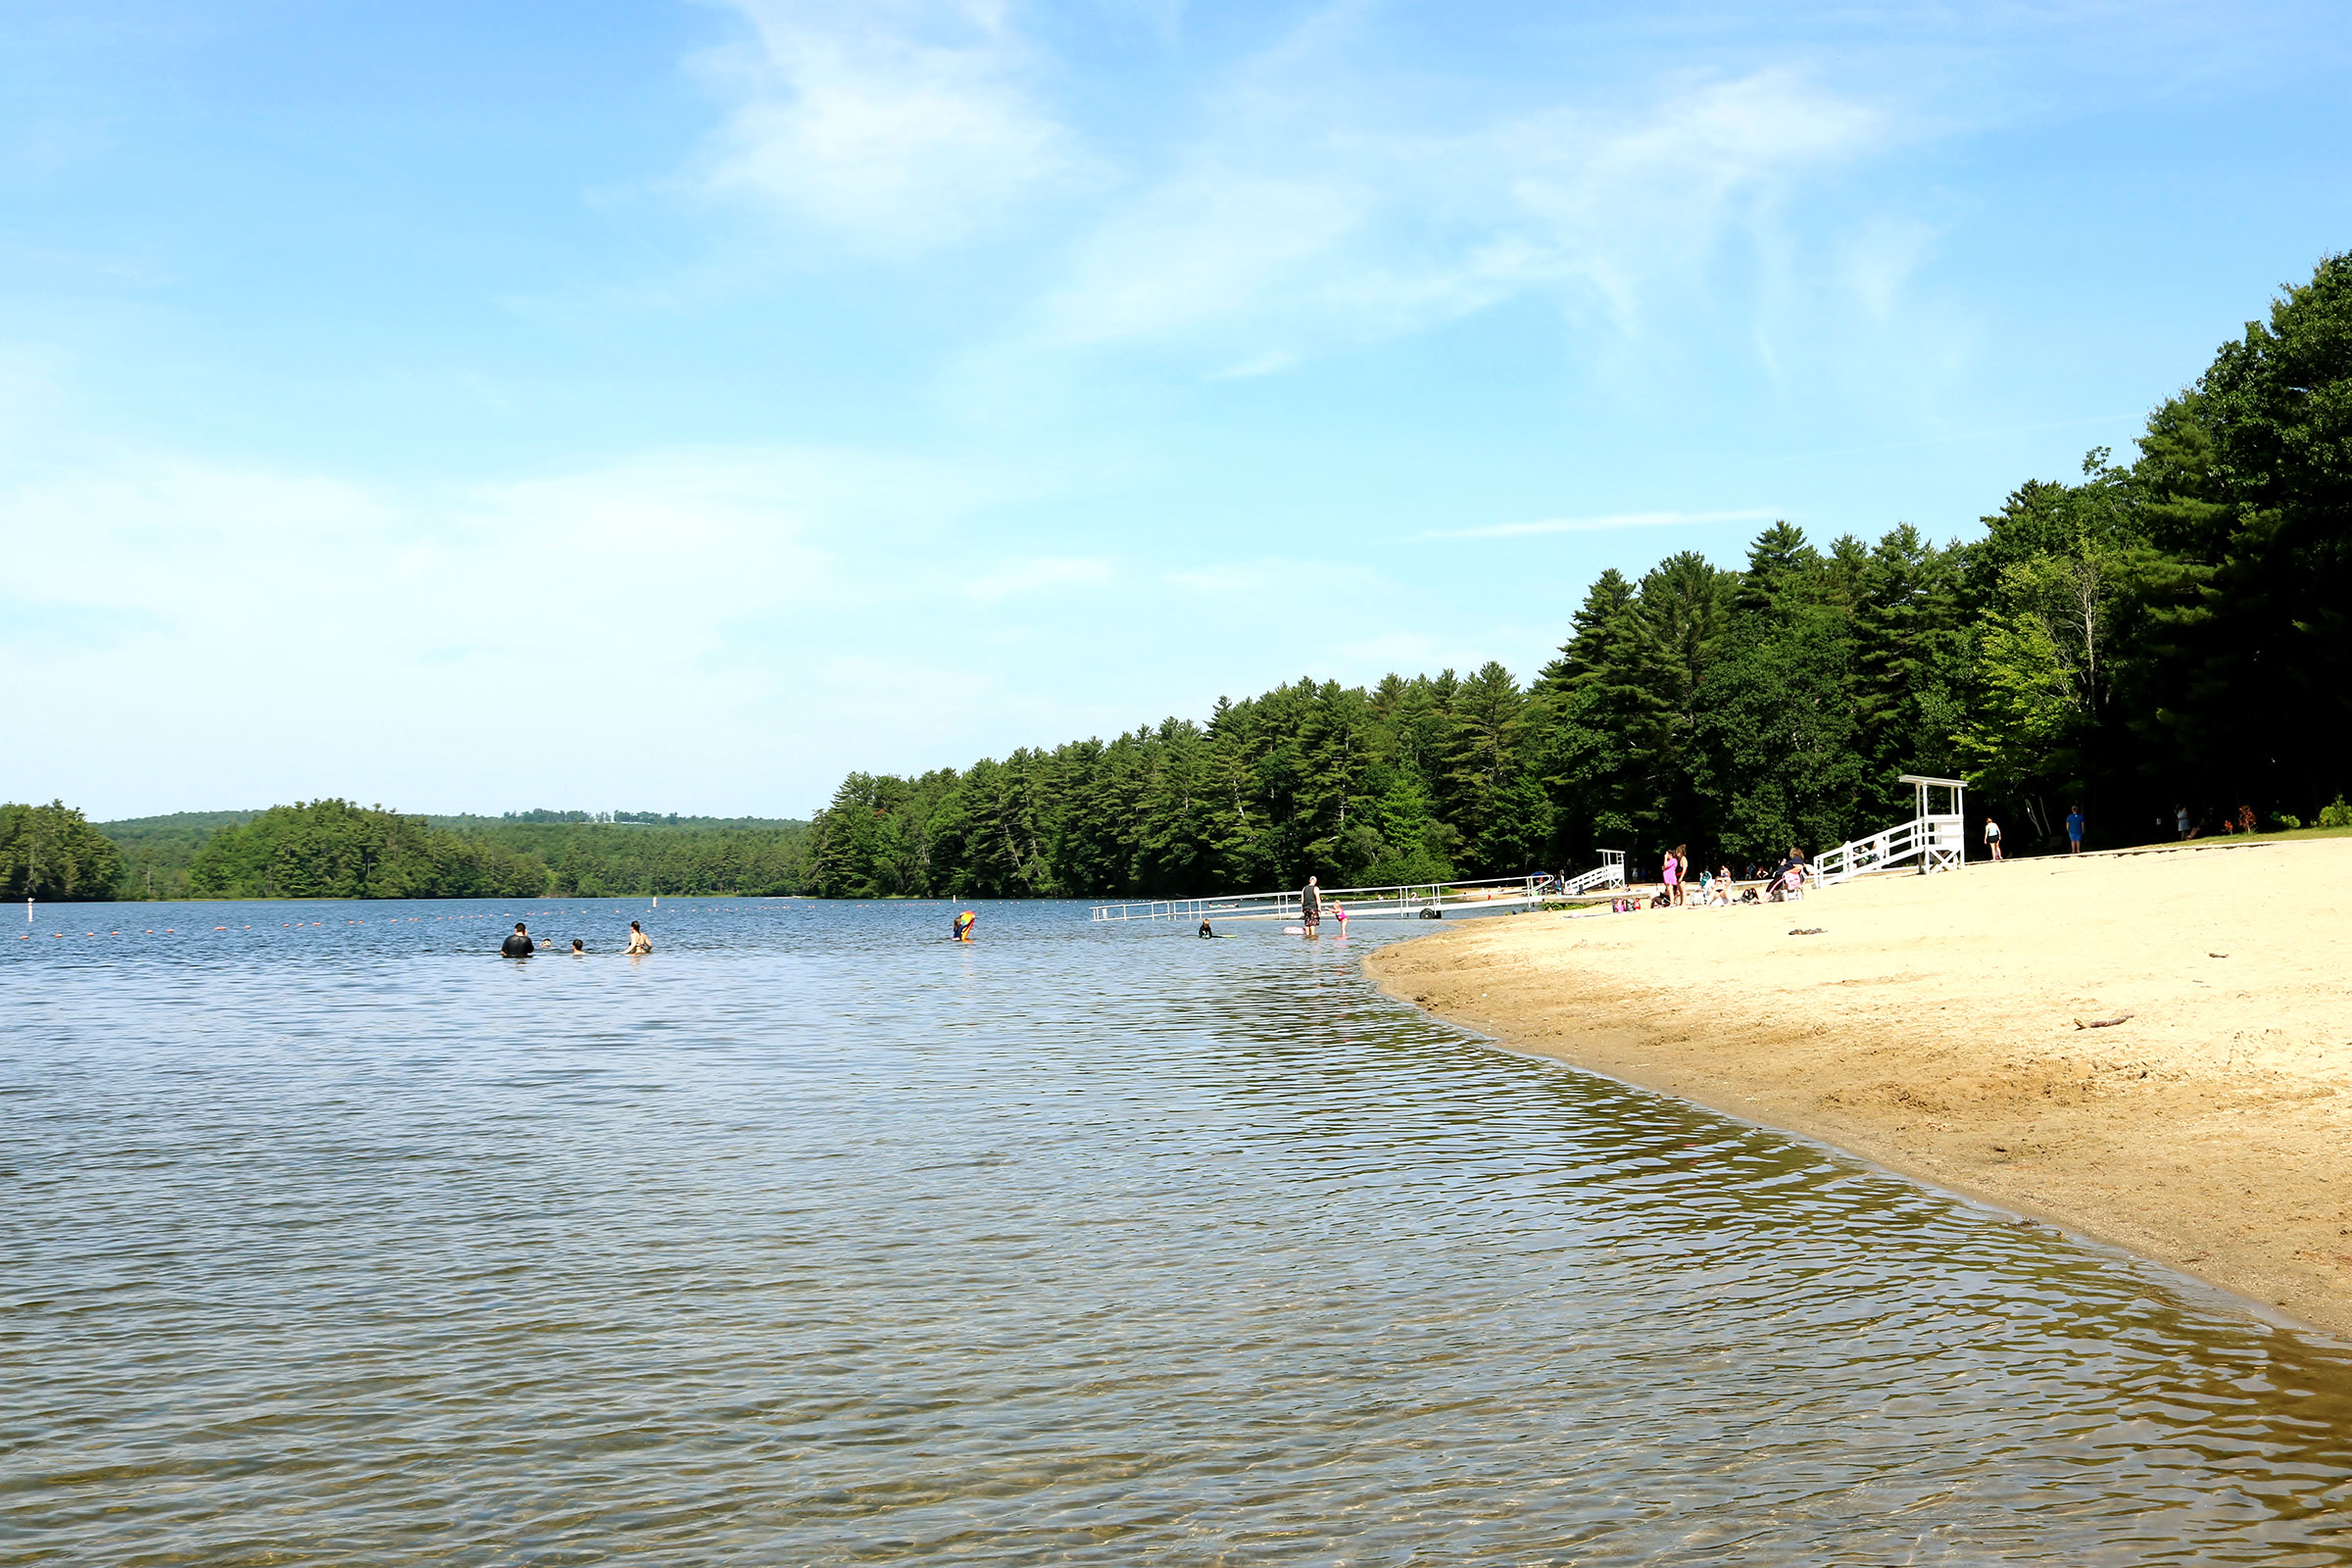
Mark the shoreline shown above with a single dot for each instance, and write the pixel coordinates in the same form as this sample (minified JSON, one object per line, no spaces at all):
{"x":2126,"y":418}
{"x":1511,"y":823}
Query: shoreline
{"x":1930,"y":1028}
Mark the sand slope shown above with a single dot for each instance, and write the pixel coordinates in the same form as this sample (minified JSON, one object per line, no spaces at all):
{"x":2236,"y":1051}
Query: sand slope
{"x":1931,"y":1027}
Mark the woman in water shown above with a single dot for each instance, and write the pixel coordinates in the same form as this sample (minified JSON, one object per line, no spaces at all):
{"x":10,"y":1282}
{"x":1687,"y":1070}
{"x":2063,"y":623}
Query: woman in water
{"x":639,"y":942}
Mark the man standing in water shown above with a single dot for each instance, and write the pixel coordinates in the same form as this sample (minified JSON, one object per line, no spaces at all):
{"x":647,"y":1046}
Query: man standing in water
{"x":517,"y":946}
{"x":1310,"y":905}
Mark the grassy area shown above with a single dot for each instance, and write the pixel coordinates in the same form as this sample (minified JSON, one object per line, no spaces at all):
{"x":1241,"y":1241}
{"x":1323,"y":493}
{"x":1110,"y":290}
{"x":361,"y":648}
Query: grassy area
{"x":2282,"y":836}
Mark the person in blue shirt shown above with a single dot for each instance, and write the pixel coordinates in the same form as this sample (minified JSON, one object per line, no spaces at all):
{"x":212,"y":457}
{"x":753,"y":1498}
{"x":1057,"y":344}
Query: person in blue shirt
{"x":2074,"y":831}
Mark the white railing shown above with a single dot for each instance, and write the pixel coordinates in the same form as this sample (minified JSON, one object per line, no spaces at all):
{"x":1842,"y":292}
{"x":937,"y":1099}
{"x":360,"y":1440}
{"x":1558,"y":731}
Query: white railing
{"x":1932,"y":841}
{"x":1407,"y":900}
{"x":1610,"y":873}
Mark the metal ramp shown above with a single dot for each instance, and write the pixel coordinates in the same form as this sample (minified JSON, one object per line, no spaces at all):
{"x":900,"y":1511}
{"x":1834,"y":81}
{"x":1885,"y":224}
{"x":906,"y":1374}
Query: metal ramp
{"x":1502,"y":894}
{"x":1934,"y":840}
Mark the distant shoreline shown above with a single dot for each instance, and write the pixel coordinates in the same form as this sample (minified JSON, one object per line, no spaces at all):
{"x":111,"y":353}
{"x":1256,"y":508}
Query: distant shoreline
{"x":1930,"y":1027}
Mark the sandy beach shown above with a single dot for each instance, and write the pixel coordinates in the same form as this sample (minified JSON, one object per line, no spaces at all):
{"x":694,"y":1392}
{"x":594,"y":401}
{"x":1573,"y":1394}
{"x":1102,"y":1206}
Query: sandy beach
{"x":1935,"y":1025}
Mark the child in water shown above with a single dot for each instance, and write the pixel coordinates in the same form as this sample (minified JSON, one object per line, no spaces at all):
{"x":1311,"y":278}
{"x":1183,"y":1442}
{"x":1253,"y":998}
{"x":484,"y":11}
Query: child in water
{"x":963,"y":925}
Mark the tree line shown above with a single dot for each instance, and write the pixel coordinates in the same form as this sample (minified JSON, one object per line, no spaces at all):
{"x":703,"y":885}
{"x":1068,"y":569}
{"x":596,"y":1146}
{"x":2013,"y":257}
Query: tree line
{"x":2156,"y":637}
{"x":335,"y":848}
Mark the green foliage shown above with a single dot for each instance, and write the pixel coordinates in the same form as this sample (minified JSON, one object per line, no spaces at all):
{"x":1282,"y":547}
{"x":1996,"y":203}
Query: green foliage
{"x":2335,"y":813}
{"x":50,"y":853}
{"x":333,"y":848}
{"x":157,"y":850}
{"x":2172,"y":632}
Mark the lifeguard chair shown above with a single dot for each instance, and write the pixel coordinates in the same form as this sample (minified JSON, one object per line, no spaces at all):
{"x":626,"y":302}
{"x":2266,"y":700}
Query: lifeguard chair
{"x":1943,"y":840}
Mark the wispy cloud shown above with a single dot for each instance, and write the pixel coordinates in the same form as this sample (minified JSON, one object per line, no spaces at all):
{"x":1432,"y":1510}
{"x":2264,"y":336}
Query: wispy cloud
{"x":1616,"y":521}
{"x":897,"y":125}
{"x":1026,"y":579}
{"x":1306,"y":224}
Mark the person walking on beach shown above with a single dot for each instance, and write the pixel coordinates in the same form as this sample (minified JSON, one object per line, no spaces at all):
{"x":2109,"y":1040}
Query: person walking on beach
{"x":1670,"y":876}
{"x":639,"y":942}
{"x":1993,"y":838}
{"x":517,"y":946}
{"x":1310,"y":905}
{"x":2074,"y":831}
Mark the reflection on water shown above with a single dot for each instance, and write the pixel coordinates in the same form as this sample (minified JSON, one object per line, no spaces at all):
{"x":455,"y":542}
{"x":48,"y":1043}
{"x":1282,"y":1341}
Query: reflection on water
{"x":818,"y":1239}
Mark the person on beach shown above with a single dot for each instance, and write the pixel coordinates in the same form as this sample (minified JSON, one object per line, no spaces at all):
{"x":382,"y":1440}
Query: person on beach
{"x":2074,"y":831}
{"x":1788,"y":880}
{"x":639,"y":942}
{"x":2180,"y":819}
{"x":1310,"y":905}
{"x":1993,"y":838}
{"x":1339,"y":913}
{"x":517,"y":946}
{"x":962,"y":929}
{"x":1669,"y":877}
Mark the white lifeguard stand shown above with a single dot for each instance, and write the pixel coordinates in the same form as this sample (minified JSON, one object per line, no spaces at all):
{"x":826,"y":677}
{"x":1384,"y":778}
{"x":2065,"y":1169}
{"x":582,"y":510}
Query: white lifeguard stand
{"x":1944,"y":844}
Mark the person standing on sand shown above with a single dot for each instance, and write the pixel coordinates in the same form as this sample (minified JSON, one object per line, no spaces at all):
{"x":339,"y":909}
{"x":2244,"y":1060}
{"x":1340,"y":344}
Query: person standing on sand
{"x":2074,"y":831}
{"x":1310,"y":905}
{"x":1993,"y":838}
{"x":1670,"y":876}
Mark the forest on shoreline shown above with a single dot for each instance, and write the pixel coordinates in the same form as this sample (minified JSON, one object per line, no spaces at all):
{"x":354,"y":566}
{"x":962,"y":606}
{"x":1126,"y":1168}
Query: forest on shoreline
{"x":2163,"y":635}
{"x":335,"y":848}
{"x":2171,"y":634}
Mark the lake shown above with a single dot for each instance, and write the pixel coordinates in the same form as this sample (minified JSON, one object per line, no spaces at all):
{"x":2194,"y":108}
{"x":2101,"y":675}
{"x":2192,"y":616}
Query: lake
{"x":815,"y":1238}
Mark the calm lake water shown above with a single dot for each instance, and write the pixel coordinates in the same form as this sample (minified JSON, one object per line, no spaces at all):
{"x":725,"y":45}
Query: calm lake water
{"x":817,"y":1239}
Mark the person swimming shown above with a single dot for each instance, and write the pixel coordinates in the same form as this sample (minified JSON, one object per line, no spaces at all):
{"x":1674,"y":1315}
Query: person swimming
{"x":963,"y":923}
{"x":517,"y":946}
{"x":1204,"y":930}
{"x":639,"y":942}
{"x":580,"y":949}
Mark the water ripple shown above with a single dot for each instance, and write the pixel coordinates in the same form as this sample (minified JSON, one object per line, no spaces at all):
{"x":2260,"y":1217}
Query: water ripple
{"x":815,"y":1239}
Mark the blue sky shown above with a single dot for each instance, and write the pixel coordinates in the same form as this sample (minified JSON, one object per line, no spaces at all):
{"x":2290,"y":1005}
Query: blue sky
{"x":477,"y":407}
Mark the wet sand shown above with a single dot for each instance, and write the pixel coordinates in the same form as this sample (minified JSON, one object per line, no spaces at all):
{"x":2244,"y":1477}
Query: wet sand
{"x":1933,"y":1026}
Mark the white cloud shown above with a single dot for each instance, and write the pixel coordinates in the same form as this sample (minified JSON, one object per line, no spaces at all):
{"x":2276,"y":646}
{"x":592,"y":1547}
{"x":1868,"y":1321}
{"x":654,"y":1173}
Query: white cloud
{"x":1201,"y":250}
{"x":899,"y":126}
{"x":1604,"y":524}
{"x":1044,"y":575}
{"x":1293,"y":225}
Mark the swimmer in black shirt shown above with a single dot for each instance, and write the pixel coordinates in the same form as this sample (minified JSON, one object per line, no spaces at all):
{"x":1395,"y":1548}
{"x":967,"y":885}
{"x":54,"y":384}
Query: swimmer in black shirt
{"x":517,"y":946}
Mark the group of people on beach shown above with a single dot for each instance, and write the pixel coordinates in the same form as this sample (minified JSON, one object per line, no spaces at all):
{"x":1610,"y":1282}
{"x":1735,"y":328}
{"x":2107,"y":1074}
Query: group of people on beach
{"x":520,"y":944}
{"x":1719,"y":888}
